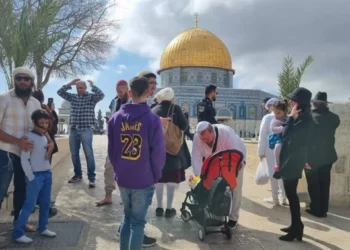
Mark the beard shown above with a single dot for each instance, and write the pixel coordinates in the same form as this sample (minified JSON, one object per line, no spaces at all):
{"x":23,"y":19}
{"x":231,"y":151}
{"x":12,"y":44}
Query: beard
{"x":214,"y":99}
{"x":23,"y":92}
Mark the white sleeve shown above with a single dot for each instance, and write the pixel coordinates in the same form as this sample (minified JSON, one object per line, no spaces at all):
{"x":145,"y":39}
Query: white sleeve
{"x":263,"y":135}
{"x":27,"y":168}
{"x":196,"y":156}
{"x":232,"y":141}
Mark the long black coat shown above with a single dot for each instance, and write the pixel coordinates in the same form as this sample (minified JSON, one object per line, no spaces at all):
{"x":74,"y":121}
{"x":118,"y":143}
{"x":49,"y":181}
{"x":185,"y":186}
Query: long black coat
{"x":183,"y":159}
{"x":296,"y":143}
{"x":322,"y":149}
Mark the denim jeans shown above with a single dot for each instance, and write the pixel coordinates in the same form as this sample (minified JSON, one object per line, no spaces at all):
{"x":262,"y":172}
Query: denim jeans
{"x":6,"y":172}
{"x":40,"y":188}
{"x":136,"y":203}
{"x":82,"y":136}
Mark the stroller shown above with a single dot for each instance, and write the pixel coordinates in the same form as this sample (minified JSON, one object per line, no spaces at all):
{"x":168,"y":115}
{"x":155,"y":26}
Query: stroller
{"x":211,"y":200}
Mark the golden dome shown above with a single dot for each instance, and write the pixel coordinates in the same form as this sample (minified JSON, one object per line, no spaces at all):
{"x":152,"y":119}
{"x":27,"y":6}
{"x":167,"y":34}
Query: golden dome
{"x":196,"y":47}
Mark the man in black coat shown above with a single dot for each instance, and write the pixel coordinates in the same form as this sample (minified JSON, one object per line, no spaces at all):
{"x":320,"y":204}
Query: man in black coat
{"x":322,"y":155}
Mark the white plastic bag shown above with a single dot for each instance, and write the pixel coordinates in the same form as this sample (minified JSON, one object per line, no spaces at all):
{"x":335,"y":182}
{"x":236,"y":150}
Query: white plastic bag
{"x":261,"y":176}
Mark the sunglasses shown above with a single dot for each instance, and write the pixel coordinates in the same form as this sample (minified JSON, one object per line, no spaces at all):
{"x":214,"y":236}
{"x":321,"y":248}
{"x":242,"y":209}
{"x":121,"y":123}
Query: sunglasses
{"x":25,"y":78}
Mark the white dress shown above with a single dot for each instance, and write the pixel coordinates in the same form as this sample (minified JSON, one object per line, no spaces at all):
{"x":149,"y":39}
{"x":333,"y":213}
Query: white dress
{"x":263,"y":146}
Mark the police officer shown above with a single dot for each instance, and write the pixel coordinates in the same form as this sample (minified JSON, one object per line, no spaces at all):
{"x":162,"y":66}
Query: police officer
{"x":205,"y":109}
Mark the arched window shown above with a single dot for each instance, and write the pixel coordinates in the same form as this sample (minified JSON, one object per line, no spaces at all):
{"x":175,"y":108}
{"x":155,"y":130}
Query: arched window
{"x":252,"y":112}
{"x":186,"y":106}
{"x":232,"y":108}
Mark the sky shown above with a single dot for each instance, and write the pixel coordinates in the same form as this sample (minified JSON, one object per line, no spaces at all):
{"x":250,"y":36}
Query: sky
{"x":258,"y":34}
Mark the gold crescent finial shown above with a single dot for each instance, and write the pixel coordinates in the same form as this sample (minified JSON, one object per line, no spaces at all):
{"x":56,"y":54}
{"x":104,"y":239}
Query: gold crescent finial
{"x":196,"y":20}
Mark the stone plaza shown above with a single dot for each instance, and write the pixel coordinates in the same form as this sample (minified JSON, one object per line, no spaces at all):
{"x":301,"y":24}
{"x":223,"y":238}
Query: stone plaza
{"x":81,"y":225}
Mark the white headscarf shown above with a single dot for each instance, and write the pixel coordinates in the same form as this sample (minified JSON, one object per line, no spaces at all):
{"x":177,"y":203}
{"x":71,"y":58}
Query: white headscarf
{"x":166,"y":94}
{"x":23,"y":70}
{"x":270,"y":102}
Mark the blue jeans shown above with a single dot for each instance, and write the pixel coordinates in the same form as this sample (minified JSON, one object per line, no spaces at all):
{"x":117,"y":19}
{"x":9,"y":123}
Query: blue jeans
{"x":39,"y":188}
{"x":82,"y":136}
{"x":136,"y":203}
{"x":6,"y":172}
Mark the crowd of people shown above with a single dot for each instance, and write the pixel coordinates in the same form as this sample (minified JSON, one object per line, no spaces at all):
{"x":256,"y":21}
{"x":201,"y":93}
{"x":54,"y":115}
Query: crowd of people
{"x":147,"y":150}
{"x":297,"y":141}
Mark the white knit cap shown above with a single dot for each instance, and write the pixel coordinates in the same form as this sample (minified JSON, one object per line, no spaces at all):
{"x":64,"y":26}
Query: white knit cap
{"x":23,"y":70}
{"x":166,"y":94}
{"x":270,"y":102}
{"x":201,"y":126}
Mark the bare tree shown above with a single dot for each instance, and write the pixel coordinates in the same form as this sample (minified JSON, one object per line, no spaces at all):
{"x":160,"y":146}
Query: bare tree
{"x":58,"y":37}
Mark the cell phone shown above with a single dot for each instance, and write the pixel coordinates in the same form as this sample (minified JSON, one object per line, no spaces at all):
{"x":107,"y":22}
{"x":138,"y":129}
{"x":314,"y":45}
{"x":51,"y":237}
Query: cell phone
{"x":49,"y":100}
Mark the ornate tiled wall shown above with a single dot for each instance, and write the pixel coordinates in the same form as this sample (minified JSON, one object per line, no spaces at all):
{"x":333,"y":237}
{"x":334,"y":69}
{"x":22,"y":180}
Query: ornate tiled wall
{"x":196,"y":76}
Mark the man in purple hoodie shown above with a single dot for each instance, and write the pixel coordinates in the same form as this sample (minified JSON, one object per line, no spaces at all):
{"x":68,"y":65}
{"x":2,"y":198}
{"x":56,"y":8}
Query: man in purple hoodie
{"x":136,"y":149}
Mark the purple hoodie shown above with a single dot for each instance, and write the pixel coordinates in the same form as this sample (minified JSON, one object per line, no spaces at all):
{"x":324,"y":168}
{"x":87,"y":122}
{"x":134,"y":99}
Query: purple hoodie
{"x":136,"y":146}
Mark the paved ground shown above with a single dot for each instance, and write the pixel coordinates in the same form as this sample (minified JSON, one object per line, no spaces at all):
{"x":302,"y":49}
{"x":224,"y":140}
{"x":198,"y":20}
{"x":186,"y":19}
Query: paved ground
{"x":81,"y":225}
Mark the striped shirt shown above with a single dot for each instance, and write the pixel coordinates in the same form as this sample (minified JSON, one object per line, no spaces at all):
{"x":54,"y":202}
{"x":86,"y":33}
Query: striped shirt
{"x":82,"y":107}
{"x":15,"y":118}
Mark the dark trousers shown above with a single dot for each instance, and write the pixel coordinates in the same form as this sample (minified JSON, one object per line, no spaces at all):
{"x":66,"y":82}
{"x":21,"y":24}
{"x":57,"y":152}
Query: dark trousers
{"x":290,"y":187}
{"x":318,"y":184}
{"x":19,"y":183}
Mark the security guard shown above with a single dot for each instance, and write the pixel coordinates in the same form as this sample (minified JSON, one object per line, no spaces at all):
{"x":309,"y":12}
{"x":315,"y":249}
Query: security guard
{"x":205,"y":109}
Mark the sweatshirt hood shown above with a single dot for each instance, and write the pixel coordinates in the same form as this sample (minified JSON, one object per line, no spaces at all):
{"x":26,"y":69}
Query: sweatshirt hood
{"x":134,"y":112}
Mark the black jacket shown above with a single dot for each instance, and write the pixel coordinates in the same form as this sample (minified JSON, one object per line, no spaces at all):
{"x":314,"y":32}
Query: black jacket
{"x":323,"y":142}
{"x":206,"y":111}
{"x":296,"y":142}
{"x":183,"y":159}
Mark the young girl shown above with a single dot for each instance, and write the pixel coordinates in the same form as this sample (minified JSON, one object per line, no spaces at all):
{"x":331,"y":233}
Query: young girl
{"x":280,"y":109}
{"x":38,"y":179}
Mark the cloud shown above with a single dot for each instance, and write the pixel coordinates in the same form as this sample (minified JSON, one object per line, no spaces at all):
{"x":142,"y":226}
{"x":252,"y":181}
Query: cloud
{"x":258,"y":34}
{"x":120,"y":69}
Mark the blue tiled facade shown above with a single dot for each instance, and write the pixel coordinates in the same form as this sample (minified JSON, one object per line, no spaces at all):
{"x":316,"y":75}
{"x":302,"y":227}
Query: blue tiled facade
{"x":189,"y":84}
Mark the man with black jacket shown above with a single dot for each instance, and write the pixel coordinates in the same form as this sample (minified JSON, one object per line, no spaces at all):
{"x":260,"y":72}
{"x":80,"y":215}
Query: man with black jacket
{"x":322,"y":155}
{"x":205,"y":110}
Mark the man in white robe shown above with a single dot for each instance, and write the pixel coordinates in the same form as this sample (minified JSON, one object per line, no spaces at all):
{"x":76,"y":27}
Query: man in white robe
{"x":203,"y":143}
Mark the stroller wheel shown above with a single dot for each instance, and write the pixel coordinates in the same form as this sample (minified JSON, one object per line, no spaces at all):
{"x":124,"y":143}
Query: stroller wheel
{"x":201,"y":233}
{"x":185,"y":215}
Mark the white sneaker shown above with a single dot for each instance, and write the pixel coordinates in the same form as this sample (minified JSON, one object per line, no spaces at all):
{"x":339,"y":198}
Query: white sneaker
{"x":284,"y":202}
{"x":24,"y":240}
{"x":48,"y":233}
{"x":271,"y":201}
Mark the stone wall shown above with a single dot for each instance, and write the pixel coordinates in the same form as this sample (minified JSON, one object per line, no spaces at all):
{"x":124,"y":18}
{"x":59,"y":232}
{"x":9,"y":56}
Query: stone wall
{"x":340,"y":180}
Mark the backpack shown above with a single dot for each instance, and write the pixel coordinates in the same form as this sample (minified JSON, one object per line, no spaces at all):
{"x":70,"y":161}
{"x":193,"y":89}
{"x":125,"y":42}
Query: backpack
{"x":219,"y":201}
{"x":173,"y":135}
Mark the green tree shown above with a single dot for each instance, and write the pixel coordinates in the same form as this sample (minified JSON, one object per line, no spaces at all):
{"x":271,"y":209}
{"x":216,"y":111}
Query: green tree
{"x":100,"y":121}
{"x":58,"y":38}
{"x":290,"y":77}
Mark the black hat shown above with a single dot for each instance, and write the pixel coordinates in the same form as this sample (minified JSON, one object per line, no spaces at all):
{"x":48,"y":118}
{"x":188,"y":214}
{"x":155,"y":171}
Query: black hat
{"x":321,"y":97}
{"x":301,"y":95}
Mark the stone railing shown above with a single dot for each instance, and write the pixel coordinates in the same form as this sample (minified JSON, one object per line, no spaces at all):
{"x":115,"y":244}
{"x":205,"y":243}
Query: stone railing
{"x":63,"y":152}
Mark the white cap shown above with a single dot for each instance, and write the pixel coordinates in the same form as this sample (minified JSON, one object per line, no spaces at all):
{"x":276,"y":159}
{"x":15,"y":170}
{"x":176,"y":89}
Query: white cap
{"x":201,"y":126}
{"x":23,"y":70}
{"x":166,"y":94}
{"x":270,"y":102}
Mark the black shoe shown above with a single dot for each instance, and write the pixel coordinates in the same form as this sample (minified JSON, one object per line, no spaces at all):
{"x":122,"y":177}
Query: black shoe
{"x":170,"y":213}
{"x":319,"y":215}
{"x":291,"y":236}
{"x":52,"y":212}
{"x":148,"y":241}
{"x":159,"y":212}
{"x":286,"y":229}
{"x":75,"y":179}
{"x":92,"y":184}
{"x":232,"y":224}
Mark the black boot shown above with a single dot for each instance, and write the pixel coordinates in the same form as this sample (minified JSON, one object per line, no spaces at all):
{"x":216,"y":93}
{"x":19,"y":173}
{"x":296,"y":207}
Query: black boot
{"x":286,"y":229}
{"x":294,"y":233}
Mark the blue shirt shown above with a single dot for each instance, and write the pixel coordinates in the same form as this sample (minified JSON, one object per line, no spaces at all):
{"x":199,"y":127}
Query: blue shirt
{"x":82,"y":107}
